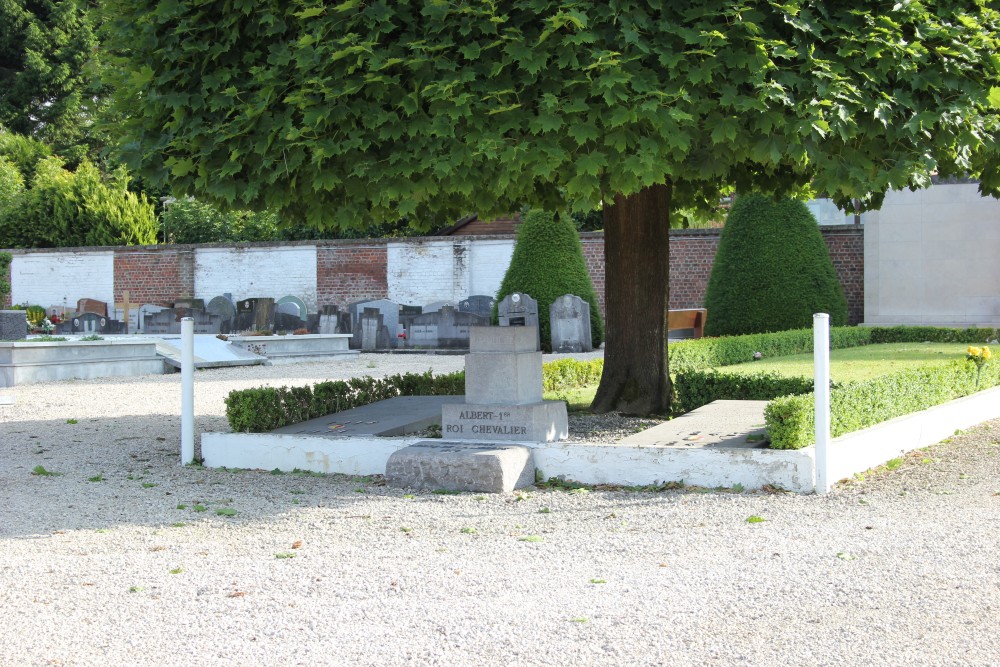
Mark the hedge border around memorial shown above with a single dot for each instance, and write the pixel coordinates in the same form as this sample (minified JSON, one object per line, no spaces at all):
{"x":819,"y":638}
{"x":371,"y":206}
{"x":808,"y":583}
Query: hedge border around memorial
{"x":858,"y":405}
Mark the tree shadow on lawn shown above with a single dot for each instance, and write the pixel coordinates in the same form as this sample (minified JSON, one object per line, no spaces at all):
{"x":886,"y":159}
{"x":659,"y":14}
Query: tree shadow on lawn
{"x":95,"y":474}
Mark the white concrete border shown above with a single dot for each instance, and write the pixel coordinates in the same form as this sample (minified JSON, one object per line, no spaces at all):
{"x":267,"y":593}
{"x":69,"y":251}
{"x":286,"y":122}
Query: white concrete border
{"x":792,"y":470}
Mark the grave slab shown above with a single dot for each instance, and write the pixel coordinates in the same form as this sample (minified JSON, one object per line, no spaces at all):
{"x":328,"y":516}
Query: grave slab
{"x":720,"y":424}
{"x":391,"y":417}
{"x":460,"y":466}
{"x":209,"y":352}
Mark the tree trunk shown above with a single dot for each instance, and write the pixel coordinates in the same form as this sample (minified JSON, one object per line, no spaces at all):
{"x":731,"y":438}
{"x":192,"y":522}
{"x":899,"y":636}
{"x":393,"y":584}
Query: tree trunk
{"x":636,"y":269}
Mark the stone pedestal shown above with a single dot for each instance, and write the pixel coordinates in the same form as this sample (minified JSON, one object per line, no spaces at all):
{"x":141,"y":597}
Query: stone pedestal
{"x":503,"y":391}
{"x":13,"y":325}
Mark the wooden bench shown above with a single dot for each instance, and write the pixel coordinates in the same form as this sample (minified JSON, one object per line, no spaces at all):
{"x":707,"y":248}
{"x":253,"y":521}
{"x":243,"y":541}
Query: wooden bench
{"x":688,"y":319}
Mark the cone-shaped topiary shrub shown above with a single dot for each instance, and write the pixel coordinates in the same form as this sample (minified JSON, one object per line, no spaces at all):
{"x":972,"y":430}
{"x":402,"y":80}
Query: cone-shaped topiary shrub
{"x":547,"y":263}
{"x":772,"y":271}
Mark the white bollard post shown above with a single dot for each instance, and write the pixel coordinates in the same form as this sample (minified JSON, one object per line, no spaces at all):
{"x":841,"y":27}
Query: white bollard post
{"x":187,"y":390}
{"x":821,"y":393}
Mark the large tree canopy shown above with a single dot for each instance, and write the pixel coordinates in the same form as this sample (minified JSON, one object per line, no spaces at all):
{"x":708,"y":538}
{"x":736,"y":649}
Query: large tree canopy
{"x":47,"y":72}
{"x":344,"y":113}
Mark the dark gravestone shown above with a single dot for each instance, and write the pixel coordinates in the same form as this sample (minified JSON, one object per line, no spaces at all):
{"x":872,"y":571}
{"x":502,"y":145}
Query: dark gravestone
{"x":437,"y":305}
{"x":407,"y":314}
{"x":92,"y":306}
{"x":255,"y":314}
{"x":92,"y":323}
{"x":371,"y":332}
{"x":569,"y":324}
{"x":480,"y":304}
{"x":287,"y":318}
{"x":13,"y":325}
{"x":224,"y":309}
{"x":518,"y":310}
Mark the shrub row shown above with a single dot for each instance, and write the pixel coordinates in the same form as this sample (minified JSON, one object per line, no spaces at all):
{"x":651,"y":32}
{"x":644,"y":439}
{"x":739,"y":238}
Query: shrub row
{"x":701,"y":353}
{"x":571,"y":373}
{"x":858,"y":405}
{"x":694,"y":389}
{"x":264,"y":409}
{"x":932,"y":335}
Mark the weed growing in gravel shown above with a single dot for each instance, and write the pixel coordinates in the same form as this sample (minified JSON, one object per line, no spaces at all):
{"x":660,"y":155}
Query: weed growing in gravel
{"x":284,"y":554}
{"x":598,"y":581}
{"x":277,"y":471}
{"x":469,"y":530}
{"x":200,"y":508}
{"x":531,"y":538}
{"x":225,"y":511}
{"x":177,"y":570}
{"x":307,"y":473}
{"x":409,"y":496}
{"x":178,"y":524}
{"x":893,"y":464}
{"x":843,"y":555}
{"x":182,"y":506}
{"x":71,"y":421}
{"x":445,"y":492}
{"x":135,"y":589}
{"x":544,"y":510}
{"x":96,"y":478}
{"x":40,"y":471}
{"x":579,"y":619}
{"x":753,"y":518}
{"x":360,"y":489}
{"x":296,"y":492}
{"x":101,"y":530}
{"x":406,"y":529}
{"x":148,"y":485}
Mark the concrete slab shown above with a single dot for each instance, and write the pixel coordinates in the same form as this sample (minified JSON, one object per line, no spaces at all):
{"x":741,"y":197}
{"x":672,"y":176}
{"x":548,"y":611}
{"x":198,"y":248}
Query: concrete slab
{"x":209,"y":352}
{"x":461,"y":466}
{"x":395,"y":416}
{"x":6,"y":400}
{"x":720,"y":424}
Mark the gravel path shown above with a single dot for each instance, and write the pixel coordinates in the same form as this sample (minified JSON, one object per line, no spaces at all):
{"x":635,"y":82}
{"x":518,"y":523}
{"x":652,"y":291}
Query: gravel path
{"x":99,"y":566}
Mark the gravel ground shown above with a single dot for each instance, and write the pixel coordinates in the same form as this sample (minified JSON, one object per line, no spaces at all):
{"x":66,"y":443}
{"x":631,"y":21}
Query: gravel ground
{"x":100,"y":566}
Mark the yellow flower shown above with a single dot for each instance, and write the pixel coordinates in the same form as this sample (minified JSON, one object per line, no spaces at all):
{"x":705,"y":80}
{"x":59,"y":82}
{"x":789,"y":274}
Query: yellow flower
{"x":986,"y":354}
{"x":973,"y":351}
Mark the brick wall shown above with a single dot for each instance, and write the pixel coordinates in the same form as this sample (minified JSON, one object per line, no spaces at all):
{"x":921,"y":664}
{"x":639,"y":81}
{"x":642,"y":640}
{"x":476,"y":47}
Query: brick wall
{"x":159,"y":276}
{"x":692,"y":252}
{"x":593,"y":254}
{"x":349,"y":272}
{"x":847,"y":250}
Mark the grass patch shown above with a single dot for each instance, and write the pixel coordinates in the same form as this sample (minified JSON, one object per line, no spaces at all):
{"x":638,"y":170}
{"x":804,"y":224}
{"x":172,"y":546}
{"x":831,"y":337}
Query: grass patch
{"x":531,"y":538}
{"x":40,"y":471}
{"x":755,"y":519}
{"x":860,"y":363}
{"x":225,"y":511}
{"x":578,"y":399}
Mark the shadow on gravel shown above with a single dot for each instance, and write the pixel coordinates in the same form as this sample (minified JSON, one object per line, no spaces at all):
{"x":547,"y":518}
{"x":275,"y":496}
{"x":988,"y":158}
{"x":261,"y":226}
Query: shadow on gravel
{"x":96,"y":474}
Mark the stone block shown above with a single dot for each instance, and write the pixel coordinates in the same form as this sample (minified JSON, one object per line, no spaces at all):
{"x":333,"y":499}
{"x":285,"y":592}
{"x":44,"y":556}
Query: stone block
{"x":459,"y":466}
{"x":504,"y":378}
{"x":503,"y":339}
{"x":545,"y":421}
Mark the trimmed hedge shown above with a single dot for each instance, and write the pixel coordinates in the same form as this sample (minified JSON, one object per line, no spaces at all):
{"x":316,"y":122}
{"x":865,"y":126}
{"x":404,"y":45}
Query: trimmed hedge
{"x":933,"y":335}
{"x":571,"y":373}
{"x":858,"y":405}
{"x":702,"y":353}
{"x":694,"y":389}
{"x":264,"y":409}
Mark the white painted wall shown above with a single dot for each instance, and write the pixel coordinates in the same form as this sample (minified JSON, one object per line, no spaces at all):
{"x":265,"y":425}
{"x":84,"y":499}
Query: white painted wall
{"x":827,"y":213}
{"x":931,"y":258}
{"x":490,"y":260}
{"x":63,"y":278}
{"x":257,"y":272}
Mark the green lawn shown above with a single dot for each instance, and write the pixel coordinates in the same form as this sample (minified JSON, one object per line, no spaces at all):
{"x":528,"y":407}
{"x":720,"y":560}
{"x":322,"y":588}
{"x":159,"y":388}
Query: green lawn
{"x":860,"y":363}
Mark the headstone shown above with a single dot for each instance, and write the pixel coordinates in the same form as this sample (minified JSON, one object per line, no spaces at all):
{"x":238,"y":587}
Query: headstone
{"x":334,"y":321}
{"x":92,"y":323}
{"x":144,"y":310}
{"x":255,"y":314}
{"x":569,"y":324}
{"x":168,"y":321}
{"x":407,"y":315}
{"x":480,"y":304}
{"x":224,"y":309}
{"x":287,"y":316}
{"x":284,"y":306}
{"x":503,"y":391}
{"x":390,"y":316}
{"x":123,"y":310}
{"x":518,"y":310}
{"x":371,"y":331}
{"x":13,"y":325}
{"x":92,"y":306}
